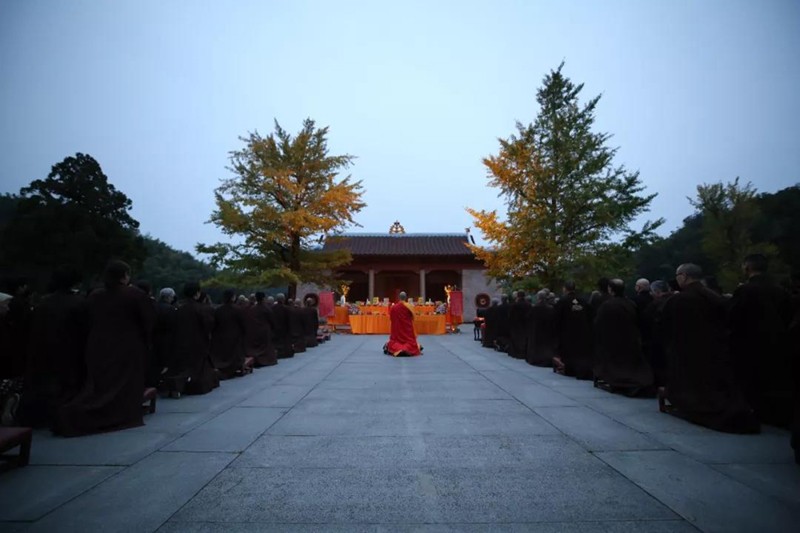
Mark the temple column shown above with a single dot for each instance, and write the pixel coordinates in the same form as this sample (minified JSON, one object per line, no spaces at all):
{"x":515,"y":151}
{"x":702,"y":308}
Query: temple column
{"x":422,"y":285}
{"x":371,"y":290}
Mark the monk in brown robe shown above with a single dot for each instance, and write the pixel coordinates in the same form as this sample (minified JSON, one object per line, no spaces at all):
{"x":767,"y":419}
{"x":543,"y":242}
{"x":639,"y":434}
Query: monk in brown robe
{"x":760,"y":313}
{"x":228,"y":338}
{"x":619,"y":364}
{"x":120,"y":324}
{"x":699,"y":379}
{"x":190,"y":370}
{"x":260,"y":328}
{"x":518,"y":326}
{"x":310,"y":323}
{"x":403,"y":336}
{"x":56,"y":368}
{"x":280,"y":335}
{"x":574,"y":330}
{"x":541,"y":330}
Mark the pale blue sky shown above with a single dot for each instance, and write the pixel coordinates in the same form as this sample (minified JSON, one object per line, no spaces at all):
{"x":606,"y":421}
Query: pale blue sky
{"x":159,"y":92}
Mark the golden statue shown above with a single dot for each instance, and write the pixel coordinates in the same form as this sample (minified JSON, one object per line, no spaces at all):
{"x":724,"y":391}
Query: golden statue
{"x":345,"y":289}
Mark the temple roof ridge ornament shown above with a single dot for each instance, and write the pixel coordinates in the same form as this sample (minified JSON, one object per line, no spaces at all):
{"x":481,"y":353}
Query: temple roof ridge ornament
{"x":397,"y":229}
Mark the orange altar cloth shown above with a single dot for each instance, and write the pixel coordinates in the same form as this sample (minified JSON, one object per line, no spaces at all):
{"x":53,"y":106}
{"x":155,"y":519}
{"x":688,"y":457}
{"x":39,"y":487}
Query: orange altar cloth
{"x":341,"y":316}
{"x":379,"y":324}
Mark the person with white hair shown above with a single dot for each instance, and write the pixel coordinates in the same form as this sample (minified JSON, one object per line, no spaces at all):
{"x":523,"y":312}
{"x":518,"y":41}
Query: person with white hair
{"x":643,"y":297}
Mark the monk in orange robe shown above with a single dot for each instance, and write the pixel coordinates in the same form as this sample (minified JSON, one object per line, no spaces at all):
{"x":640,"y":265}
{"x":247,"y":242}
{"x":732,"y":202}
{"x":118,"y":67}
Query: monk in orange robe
{"x":403,"y":337}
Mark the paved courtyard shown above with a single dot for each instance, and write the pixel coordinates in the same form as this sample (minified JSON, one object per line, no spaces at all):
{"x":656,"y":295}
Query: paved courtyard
{"x":461,"y":439}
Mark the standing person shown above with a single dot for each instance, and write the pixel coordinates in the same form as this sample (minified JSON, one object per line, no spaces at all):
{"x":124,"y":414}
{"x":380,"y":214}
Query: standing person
{"x":403,"y":337}
{"x":56,"y":368}
{"x":760,"y":313}
{"x":191,"y":371}
{"x":518,"y":326}
{"x":699,"y":381}
{"x":228,"y":338}
{"x":574,"y":329}
{"x":541,"y":330}
{"x":120,"y":325}
{"x":619,"y":364}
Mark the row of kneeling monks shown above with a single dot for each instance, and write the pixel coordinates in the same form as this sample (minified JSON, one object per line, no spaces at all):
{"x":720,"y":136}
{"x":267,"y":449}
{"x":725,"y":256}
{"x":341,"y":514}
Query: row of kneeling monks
{"x":82,"y":363}
{"x":729,"y":363}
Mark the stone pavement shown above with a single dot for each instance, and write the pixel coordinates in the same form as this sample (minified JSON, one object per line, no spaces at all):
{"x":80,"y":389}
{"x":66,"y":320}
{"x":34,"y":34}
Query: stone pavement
{"x":463,"y":438}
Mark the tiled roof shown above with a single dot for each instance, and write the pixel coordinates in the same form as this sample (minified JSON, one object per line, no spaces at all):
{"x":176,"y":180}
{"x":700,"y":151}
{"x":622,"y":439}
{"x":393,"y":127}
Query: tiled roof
{"x":451,"y":244}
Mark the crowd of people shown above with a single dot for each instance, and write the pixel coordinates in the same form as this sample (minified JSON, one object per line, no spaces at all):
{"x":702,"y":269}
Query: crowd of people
{"x":81,"y":364}
{"x":727,"y":362}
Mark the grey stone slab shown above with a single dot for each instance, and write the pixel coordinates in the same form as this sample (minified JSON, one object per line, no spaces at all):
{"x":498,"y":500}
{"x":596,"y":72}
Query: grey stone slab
{"x":520,"y":451}
{"x":140,"y":498}
{"x":232,"y":431}
{"x":406,"y":423}
{"x":780,"y":481}
{"x":420,"y":406}
{"x":555,"y":492}
{"x":312,"y":496}
{"x":700,"y":494}
{"x":534,"y":395}
{"x":594,"y":431}
{"x":175,"y":423}
{"x":445,"y":389}
{"x":277,"y":396}
{"x":118,"y":448}
{"x":29,"y":493}
{"x":771,"y":446}
{"x":642,"y":415}
{"x":644,"y":526}
{"x":213,"y":402}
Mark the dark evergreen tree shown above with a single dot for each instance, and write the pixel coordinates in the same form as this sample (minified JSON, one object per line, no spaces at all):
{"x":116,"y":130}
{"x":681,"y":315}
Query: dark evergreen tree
{"x":75,"y":216}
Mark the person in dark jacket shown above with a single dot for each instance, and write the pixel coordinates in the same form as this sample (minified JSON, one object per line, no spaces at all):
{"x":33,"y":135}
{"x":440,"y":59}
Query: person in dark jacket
{"x":653,"y":334}
{"x":120,"y":325}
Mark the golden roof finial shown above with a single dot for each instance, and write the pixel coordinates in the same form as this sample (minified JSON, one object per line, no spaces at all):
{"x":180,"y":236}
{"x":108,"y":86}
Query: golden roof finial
{"x":396,"y":228}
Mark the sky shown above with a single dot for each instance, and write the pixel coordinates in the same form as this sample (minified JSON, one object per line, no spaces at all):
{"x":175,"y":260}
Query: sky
{"x":160,"y":91}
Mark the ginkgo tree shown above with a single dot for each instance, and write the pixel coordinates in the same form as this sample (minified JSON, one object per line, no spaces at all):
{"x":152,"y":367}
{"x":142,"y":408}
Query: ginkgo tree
{"x":286,"y":196}
{"x":569,"y":208}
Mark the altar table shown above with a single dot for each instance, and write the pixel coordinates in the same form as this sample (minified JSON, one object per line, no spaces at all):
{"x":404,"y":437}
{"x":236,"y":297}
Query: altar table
{"x":380,"y":324}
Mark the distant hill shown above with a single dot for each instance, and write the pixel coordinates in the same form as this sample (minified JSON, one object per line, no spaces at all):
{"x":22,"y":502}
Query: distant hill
{"x":167,"y":267}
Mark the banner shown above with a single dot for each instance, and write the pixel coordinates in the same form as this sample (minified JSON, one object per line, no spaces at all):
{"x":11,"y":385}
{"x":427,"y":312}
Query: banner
{"x":326,"y":303}
{"x":456,"y":303}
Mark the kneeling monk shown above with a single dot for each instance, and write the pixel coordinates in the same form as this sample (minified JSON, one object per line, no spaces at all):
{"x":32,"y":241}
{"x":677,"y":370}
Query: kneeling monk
{"x":403,"y":337}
